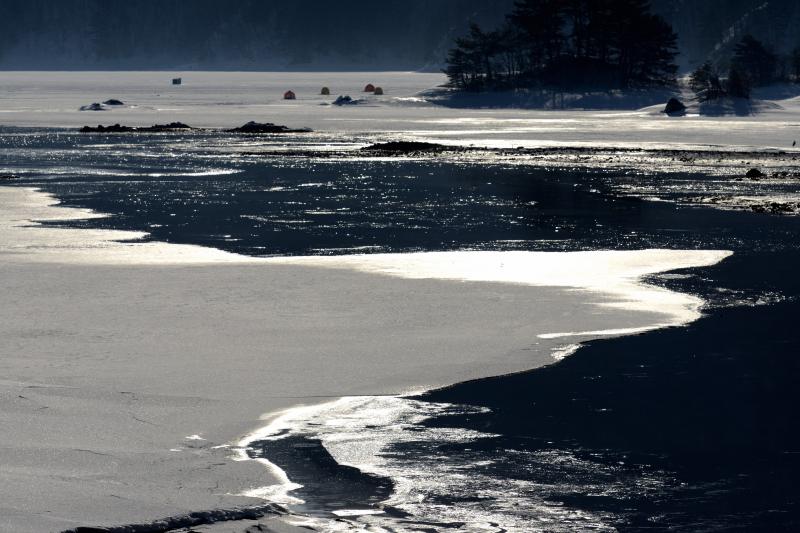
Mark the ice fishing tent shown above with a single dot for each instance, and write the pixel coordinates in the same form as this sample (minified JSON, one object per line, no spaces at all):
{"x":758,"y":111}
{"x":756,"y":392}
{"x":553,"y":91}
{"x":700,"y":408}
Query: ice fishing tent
{"x":369,"y":88}
{"x":325,"y":91}
{"x":289,"y":95}
{"x":378,"y":91}
{"x":177,"y":81}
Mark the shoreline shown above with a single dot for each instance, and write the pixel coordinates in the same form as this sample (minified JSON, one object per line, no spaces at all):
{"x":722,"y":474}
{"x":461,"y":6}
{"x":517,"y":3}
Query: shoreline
{"x":70,"y":246}
{"x":694,"y":425}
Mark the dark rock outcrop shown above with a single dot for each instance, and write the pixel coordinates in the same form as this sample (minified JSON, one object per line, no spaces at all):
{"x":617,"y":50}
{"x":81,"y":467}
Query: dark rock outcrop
{"x":776,"y":208}
{"x":343,"y":100}
{"x":93,"y":107}
{"x":253,"y":127}
{"x":201,"y":518}
{"x":156,"y":128}
{"x":408,"y":147}
{"x":754,"y":174}
{"x":346,"y":100}
{"x":8,"y":177}
{"x":674,"y":107}
{"x":114,"y":101}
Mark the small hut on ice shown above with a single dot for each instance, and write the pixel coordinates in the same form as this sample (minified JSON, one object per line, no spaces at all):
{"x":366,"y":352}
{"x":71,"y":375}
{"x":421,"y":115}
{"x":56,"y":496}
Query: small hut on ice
{"x":378,"y":91}
{"x":369,"y":88}
{"x":325,"y":91}
{"x":289,"y":95}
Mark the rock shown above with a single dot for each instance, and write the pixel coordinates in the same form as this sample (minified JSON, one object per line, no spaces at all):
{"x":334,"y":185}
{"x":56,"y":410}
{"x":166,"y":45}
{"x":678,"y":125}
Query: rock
{"x":93,"y":107}
{"x":116,"y":128}
{"x":253,"y":127}
{"x":407,"y":147}
{"x":8,"y":177}
{"x":155,"y":128}
{"x":674,"y":107}
{"x":188,"y":521}
{"x":754,"y":174}
{"x":114,"y":101}
{"x":346,"y":100}
{"x":172,"y":126}
{"x":780,"y":208}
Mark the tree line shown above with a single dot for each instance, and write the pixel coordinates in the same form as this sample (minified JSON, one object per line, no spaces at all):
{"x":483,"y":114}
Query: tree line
{"x":567,"y":44}
{"x":753,"y":64}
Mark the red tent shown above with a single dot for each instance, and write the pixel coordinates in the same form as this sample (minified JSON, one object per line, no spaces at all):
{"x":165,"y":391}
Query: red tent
{"x":289,"y":95}
{"x":369,"y":88}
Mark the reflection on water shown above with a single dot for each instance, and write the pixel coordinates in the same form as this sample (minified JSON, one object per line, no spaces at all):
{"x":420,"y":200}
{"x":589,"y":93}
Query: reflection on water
{"x":374,"y":459}
{"x":218,"y":190}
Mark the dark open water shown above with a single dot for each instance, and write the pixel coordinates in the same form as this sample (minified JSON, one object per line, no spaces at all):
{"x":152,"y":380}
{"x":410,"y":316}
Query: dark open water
{"x":685,"y":429}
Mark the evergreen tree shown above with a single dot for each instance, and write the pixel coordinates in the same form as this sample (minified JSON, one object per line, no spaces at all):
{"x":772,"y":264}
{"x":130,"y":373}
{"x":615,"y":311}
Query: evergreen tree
{"x":646,"y":48}
{"x":754,"y":61}
{"x":738,"y":84}
{"x":794,"y":64}
{"x":541,"y":23}
{"x":706,"y":83}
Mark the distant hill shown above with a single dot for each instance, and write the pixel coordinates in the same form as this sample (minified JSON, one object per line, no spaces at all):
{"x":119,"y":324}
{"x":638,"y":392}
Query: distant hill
{"x":236,"y":34}
{"x":315,"y":34}
{"x":708,"y":29}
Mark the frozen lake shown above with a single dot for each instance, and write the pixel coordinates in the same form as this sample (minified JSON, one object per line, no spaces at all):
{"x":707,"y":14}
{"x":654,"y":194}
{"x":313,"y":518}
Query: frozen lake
{"x":143,"y":349}
{"x":229,"y":99}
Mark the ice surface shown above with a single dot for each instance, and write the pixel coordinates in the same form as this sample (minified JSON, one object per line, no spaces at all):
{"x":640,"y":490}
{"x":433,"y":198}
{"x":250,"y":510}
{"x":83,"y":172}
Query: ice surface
{"x":112,"y":354}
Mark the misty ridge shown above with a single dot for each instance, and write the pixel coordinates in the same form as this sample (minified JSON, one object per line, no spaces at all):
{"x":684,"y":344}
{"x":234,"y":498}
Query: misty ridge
{"x":322,"y":35}
{"x":236,"y":34}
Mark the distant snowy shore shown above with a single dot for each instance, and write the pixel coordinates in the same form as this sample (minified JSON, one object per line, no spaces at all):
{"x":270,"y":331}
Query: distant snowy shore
{"x":764,"y":99}
{"x":409,"y":108}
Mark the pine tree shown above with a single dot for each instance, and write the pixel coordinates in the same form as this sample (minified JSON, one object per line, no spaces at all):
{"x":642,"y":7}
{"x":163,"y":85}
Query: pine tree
{"x":794,"y":64}
{"x":754,"y":61}
{"x":541,"y":23}
{"x":706,"y":83}
{"x":738,"y":84}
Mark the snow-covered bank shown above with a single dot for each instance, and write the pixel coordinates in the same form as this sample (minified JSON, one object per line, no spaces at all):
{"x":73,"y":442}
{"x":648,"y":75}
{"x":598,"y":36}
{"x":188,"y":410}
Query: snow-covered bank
{"x":550,"y":99}
{"x":230,"y":99}
{"x":127,"y":368}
